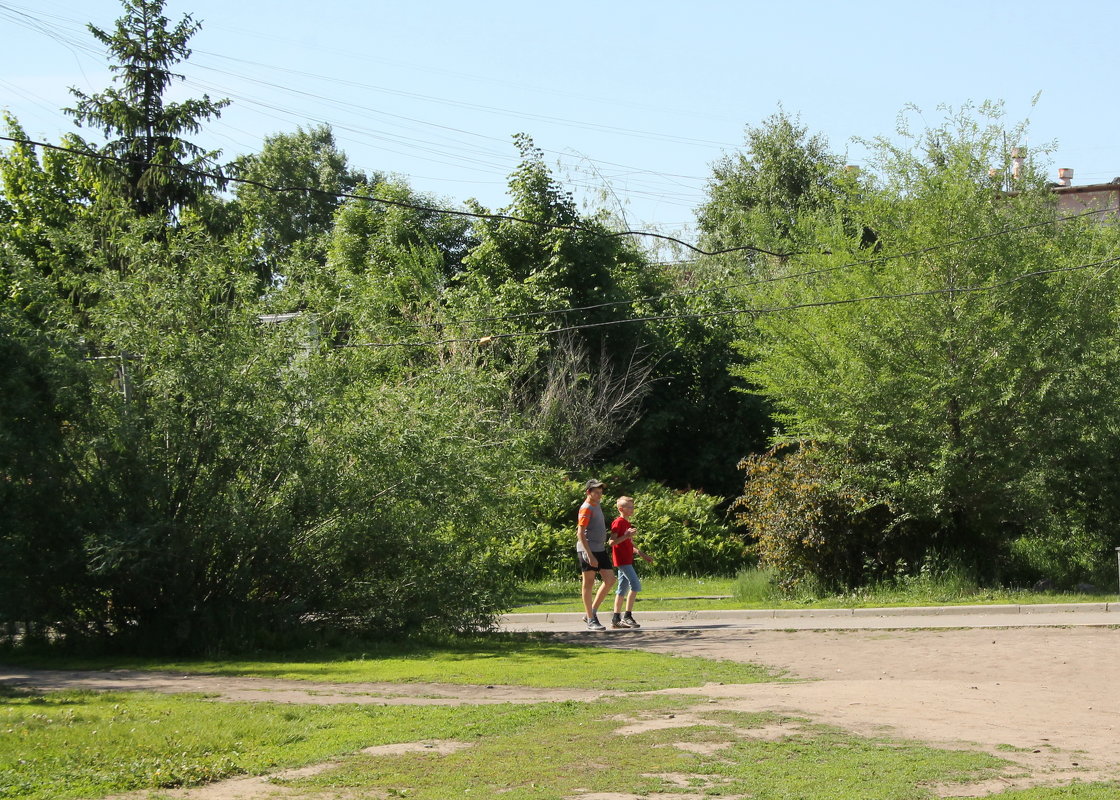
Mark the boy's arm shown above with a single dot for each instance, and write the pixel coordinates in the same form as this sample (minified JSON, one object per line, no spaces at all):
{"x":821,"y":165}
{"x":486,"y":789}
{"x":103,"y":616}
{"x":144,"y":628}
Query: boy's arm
{"x":637,"y":552}
{"x":581,"y":534}
{"x":617,"y":538}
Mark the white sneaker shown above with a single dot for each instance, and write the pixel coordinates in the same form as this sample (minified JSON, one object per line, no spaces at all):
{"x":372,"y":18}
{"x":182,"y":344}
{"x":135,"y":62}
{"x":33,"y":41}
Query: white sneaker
{"x":593,"y":624}
{"x":630,"y":622}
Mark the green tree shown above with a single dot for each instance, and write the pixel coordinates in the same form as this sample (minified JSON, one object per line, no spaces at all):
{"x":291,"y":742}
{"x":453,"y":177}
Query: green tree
{"x":771,"y":194}
{"x":543,"y":267}
{"x":952,"y":367}
{"x":39,"y":196}
{"x":785,"y":192}
{"x":184,"y":469}
{"x":183,"y":474}
{"x":697,"y":422}
{"x":44,"y":384}
{"x":405,"y":252}
{"x":293,"y":189}
{"x":145,"y":160}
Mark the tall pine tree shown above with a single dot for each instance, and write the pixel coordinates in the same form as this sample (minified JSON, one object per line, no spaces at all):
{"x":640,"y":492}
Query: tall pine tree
{"x":146,"y":160}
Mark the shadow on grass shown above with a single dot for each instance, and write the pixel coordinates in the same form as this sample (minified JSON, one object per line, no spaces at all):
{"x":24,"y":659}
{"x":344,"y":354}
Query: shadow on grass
{"x":464,"y":647}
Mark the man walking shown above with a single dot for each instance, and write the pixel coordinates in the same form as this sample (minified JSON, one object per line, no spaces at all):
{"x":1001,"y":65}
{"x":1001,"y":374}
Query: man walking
{"x":591,"y":553}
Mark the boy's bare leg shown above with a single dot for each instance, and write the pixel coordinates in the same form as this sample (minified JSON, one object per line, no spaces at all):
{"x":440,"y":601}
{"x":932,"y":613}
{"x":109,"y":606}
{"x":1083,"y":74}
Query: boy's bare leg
{"x":630,"y":598}
{"x":588,"y":587}
{"x":607,"y":578}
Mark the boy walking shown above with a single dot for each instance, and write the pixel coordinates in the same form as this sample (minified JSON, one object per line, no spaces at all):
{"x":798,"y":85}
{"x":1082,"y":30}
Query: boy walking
{"x":591,"y":553}
{"x":622,"y":553}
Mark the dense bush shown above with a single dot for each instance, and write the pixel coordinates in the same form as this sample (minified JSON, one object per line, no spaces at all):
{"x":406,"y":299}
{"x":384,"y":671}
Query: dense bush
{"x":1063,"y":558}
{"x":812,"y":528}
{"x":233,"y":479}
{"x":684,"y":531}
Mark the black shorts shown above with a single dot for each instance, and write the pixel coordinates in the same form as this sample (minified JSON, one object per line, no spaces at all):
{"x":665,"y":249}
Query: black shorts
{"x":603,"y":557}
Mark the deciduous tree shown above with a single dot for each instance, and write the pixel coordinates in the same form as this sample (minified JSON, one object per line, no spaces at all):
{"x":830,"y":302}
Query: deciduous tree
{"x":962,"y":366}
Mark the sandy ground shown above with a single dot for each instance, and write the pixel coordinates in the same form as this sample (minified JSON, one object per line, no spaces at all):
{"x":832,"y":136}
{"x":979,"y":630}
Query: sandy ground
{"x":1045,"y":698}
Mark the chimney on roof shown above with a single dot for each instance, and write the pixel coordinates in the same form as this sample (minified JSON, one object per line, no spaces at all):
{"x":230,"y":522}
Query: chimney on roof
{"x":1018,"y":156}
{"x":1065,"y":176}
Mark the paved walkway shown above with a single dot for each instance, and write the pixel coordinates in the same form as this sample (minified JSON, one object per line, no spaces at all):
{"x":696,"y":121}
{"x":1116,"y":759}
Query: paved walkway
{"x":1004,"y":616}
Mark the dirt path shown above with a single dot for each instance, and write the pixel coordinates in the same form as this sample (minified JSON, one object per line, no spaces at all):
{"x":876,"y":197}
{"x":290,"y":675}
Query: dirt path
{"x":286,"y":691}
{"x":1045,"y":698}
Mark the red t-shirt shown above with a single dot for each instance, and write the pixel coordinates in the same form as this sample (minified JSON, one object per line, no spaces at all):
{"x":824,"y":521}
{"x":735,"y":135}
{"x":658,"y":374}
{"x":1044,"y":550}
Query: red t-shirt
{"x":622,"y":553}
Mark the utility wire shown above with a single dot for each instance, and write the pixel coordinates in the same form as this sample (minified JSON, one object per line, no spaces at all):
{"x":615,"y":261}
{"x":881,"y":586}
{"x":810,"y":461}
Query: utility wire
{"x":556,"y":226}
{"x":490,"y":339}
{"x":760,"y":281}
{"x":221,"y":179}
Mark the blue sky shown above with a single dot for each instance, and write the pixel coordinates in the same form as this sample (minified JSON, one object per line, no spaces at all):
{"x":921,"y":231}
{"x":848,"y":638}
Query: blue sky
{"x":631,"y":101}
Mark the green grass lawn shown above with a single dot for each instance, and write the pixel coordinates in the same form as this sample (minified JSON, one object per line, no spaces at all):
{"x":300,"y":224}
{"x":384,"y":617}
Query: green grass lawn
{"x":86,"y":745}
{"x":90,"y":745}
{"x":673,"y":593}
{"x":752,"y":590}
{"x":512,"y":659}
{"x":577,"y":751}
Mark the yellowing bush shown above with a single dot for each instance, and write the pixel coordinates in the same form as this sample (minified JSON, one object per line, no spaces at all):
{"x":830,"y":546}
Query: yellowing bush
{"x":816,"y":531}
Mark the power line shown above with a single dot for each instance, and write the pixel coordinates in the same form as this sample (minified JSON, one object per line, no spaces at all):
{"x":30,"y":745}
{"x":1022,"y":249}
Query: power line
{"x":407,"y":146}
{"x":760,"y":281}
{"x":458,"y":103}
{"x":557,"y":226}
{"x":221,"y":179}
{"x":491,"y":338}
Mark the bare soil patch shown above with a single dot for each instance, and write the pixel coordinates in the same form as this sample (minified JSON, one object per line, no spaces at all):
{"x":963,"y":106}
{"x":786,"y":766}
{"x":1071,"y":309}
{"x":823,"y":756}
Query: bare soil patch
{"x":1043,"y":698}
{"x":286,"y":691}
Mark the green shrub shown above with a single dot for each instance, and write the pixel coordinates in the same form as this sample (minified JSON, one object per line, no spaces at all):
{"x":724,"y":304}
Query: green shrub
{"x":1064,"y":557}
{"x":542,"y":538}
{"x":816,"y":531}
{"x":684,"y":531}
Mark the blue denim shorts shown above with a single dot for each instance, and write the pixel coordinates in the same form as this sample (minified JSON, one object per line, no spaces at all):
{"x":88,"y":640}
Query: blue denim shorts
{"x":627,"y":580}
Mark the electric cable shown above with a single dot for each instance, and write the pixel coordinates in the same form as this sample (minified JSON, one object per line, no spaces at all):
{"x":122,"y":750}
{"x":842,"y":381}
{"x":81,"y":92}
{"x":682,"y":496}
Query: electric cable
{"x":491,"y":338}
{"x":730,"y":312}
{"x":760,"y":281}
{"x":65,"y":31}
{"x":221,"y":179}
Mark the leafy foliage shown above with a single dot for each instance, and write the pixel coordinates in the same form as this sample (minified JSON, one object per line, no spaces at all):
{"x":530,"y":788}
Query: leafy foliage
{"x":696,"y":422}
{"x":812,"y":528}
{"x":684,"y":531}
{"x":771,"y":195}
{"x":290,"y":195}
{"x":539,"y":270}
{"x":44,"y":385}
{"x":964,"y":394}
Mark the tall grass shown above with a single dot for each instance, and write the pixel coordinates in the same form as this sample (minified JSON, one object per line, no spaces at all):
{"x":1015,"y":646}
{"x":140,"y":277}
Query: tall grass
{"x":946,"y":586}
{"x":756,"y":588}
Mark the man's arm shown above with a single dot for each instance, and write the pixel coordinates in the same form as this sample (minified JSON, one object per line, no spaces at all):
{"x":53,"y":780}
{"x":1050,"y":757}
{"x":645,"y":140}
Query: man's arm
{"x":581,"y":534}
